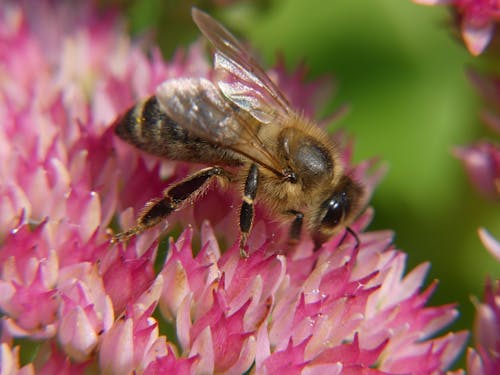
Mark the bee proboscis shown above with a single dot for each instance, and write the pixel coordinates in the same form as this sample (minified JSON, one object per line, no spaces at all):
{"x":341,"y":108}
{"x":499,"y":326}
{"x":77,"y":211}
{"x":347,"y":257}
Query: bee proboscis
{"x":242,"y":125}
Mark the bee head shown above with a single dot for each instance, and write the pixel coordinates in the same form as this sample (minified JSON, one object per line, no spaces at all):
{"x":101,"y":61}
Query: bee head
{"x":338,"y":210}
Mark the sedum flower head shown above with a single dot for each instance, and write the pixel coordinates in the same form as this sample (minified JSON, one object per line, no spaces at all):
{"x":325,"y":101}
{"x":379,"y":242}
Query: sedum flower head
{"x":66,"y":72}
{"x":482,"y":160}
{"x":340,"y":310}
{"x":482,"y":164}
{"x":477,"y":20}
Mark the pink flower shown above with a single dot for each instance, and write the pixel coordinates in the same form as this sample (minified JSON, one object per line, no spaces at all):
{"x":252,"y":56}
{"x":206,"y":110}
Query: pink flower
{"x":9,"y":361}
{"x":482,"y":164}
{"x":169,"y":364}
{"x":491,"y":244}
{"x":133,"y":341}
{"x":482,"y":160}
{"x":66,"y":74}
{"x":64,"y":81}
{"x":337,"y":310}
{"x":485,"y":358}
{"x":488,"y":86}
{"x":478,"y":19}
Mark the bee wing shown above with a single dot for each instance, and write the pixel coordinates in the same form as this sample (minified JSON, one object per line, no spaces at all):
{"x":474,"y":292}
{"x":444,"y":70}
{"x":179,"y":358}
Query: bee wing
{"x":198,"y":107}
{"x":240,"y":77}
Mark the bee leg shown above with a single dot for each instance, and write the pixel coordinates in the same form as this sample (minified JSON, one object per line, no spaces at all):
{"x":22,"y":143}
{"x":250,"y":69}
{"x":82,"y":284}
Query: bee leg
{"x":247,"y":207}
{"x":296,"y":228}
{"x":174,"y":196}
{"x":349,"y":230}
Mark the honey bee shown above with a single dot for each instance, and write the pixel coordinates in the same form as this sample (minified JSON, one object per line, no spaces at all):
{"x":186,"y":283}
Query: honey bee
{"x":243,"y":125}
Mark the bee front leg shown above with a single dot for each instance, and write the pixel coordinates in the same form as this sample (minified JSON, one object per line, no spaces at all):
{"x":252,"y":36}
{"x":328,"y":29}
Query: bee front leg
{"x":247,"y":207}
{"x":173,"y":198}
{"x":296,"y":228}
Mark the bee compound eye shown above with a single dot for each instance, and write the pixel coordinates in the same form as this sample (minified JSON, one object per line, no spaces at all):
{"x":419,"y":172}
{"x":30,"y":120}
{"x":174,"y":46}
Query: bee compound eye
{"x":336,"y":208}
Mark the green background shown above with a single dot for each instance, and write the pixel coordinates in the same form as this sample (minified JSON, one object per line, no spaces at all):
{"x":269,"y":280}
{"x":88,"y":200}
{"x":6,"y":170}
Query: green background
{"x":402,"y":72}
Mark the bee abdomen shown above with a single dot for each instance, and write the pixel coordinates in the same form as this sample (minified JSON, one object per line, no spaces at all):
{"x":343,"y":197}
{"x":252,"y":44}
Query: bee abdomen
{"x":147,"y":127}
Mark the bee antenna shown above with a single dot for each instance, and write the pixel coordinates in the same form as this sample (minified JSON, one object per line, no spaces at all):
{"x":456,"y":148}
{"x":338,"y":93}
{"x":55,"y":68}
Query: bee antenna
{"x":354,"y":234}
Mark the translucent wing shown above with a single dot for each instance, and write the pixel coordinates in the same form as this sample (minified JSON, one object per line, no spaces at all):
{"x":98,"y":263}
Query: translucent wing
{"x":240,"y":78}
{"x":198,"y":107}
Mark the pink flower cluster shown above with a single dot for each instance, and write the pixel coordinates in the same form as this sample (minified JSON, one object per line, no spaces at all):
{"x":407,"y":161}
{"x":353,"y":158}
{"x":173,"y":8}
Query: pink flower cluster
{"x":482,"y":160}
{"x":482,"y":165}
{"x":478,"y":19}
{"x":88,"y":306}
{"x":485,"y":358}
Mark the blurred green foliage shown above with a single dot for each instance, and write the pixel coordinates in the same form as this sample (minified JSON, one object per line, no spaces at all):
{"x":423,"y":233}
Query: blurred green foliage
{"x":402,"y":73}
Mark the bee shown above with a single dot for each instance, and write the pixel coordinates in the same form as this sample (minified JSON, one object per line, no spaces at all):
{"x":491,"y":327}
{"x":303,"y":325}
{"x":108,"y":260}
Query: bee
{"x":242,"y":125}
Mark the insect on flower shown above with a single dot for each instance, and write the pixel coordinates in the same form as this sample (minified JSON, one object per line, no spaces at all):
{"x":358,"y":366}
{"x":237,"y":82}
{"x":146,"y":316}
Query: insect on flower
{"x":242,"y":125}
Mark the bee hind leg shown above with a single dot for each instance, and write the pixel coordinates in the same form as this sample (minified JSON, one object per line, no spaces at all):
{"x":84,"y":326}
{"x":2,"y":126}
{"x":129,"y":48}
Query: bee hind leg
{"x":247,"y":211}
{"x":173,"y":198}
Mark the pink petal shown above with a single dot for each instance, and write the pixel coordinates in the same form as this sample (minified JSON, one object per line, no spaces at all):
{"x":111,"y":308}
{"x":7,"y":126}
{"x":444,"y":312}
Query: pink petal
{"x":433,"y":2}
{"x":486,"y":326}
{"x":58,"y":363}
{"x":151,"y":296}
{"x":482,"y":164}
{"x":263,"y":349}
{"x":184,"y":323}
{"x":203,"y":346}
{"x":9,"y":362}
{"x":129,"y":277}
{"x":169,"y":364}
{"x":330,"y":369}
{"x":490,"y":242}
{"x":347,"y":353}
{"x":474,"y":363}
{"x":77,"y":335}
{"x":176,"y":288}
{"x":477,"y":37}
{"x":116,"y":354}
{"x":290,"y":359}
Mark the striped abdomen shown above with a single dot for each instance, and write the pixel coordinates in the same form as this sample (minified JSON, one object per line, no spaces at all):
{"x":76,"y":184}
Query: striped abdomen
{"x":150,"y":129}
